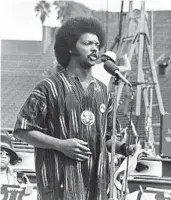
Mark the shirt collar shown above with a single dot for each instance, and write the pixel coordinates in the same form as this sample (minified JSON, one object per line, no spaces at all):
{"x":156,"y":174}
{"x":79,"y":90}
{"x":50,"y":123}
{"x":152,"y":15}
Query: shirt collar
{"x":93,"y":80}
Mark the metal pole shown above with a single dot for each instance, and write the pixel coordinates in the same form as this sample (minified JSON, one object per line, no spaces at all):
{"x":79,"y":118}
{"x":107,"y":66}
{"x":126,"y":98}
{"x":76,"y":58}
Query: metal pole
{"x":113,"y":192}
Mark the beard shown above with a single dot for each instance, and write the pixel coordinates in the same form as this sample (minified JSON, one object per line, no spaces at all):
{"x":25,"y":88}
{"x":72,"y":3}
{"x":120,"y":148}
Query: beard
{"x":88,"y":64}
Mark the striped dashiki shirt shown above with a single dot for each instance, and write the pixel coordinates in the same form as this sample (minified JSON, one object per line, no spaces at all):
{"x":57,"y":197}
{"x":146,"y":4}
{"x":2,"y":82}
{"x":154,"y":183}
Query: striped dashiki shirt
{"x":55,"y":107}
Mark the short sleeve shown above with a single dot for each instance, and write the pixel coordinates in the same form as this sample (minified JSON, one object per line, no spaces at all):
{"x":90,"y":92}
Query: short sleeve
{"x":33,"y":113}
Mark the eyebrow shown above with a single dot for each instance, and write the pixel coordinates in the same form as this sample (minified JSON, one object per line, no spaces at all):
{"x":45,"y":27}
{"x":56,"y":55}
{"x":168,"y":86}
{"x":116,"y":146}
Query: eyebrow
{"x":93,"y":41}
{"x":89,"y":40}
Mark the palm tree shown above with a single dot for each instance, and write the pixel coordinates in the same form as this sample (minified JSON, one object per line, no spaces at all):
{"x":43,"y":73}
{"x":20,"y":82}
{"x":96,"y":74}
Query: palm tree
{"x":42,"y":9}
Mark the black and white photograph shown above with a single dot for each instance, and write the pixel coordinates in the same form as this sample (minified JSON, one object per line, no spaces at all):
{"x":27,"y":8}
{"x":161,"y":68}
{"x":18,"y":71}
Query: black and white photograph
{"x":85,"y":101}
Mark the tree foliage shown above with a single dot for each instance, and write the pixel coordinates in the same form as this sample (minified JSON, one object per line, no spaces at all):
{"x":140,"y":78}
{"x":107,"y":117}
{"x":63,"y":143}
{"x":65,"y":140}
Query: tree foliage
{"x":68,"y":9}
{"x":43,"y":9}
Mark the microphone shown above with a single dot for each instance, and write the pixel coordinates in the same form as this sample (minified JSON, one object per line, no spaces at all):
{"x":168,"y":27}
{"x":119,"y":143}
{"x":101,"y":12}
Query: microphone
{"x":112,"y":69}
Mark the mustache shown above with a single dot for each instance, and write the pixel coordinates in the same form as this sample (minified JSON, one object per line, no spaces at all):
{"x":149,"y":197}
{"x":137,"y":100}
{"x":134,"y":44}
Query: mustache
{"x":94,"y":55}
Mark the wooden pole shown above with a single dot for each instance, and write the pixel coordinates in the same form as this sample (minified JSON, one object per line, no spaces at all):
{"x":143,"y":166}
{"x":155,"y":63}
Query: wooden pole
{"x":154,"y":74}
{"x":152,"y":36}
{"x":140,"y":59}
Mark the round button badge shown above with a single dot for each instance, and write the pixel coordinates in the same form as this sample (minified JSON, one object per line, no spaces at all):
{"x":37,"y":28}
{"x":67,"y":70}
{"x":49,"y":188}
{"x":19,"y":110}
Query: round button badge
{"x":87,"y":118}
{"x":102,"y":108}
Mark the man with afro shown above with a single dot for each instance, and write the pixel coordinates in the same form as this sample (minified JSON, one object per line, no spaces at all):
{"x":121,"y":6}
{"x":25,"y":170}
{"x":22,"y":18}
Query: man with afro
{"x":68,"y":119}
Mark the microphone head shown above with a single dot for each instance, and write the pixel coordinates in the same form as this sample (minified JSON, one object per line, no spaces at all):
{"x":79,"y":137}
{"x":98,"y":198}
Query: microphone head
{"x":110,"y":67}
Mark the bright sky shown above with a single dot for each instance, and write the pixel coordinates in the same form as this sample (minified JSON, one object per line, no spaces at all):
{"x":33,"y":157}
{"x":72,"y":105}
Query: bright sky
{"x":19,"y":22}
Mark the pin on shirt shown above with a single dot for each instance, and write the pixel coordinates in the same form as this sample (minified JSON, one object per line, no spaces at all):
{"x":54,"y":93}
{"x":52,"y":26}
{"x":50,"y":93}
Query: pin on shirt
{"x":87,"y":118}
{"x":102,"y":108}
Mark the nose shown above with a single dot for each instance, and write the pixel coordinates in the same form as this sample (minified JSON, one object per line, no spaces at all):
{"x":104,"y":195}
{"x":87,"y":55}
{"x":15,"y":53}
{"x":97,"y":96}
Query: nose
{"x":94,"y":48}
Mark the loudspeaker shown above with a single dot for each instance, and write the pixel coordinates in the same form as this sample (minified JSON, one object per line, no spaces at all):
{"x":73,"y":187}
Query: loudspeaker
{"x":165,"y":136}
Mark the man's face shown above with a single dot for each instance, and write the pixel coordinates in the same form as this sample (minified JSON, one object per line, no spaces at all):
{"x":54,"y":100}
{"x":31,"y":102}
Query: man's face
{"x":88,"y":47}
{"x":104,"y":58}
{"x":5,"y":158}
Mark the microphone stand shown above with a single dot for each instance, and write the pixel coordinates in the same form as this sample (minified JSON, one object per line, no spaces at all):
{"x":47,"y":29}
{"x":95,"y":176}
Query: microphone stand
{"x":112,"y":189}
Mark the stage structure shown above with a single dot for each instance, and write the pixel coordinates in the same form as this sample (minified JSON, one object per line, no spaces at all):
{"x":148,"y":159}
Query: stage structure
{"x":137,"y":44}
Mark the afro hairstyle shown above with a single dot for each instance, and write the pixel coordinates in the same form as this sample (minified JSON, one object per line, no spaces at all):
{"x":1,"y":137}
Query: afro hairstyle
{"x":69,"y":33}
